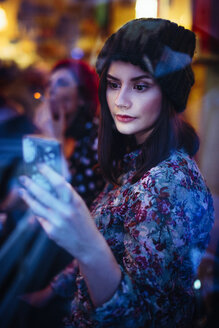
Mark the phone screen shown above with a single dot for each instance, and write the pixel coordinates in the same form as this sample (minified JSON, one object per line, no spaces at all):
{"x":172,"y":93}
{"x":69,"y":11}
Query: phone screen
{"x":39,"y":149}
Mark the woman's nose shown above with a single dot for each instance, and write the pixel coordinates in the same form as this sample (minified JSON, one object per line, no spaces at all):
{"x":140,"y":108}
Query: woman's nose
{"x":123,"y":99}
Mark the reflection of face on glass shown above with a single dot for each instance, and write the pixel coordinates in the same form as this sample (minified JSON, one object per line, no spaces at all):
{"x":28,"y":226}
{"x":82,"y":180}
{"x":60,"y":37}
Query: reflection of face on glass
{"x":63,"y":95}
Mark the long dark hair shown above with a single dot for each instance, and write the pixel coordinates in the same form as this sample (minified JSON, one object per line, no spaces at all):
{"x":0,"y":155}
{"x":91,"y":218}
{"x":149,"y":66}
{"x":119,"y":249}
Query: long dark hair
{"x":169,"y":132}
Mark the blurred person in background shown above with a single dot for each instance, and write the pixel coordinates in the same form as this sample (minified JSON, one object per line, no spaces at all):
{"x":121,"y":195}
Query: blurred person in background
{"x":70,"y":114}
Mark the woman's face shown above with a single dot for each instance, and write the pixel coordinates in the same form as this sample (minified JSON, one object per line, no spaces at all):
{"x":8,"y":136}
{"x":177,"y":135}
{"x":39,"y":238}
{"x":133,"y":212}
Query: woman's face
{"x":63,"y":95}
{"x":134,"y":99}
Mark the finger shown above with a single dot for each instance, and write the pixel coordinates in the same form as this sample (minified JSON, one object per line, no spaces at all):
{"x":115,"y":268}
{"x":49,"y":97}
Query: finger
{"x":46,"y":225}
{"x":61,"y":186}
{"x":60,"y":122}
{"x":39,"y":209}
{"x":44,"y":198}
{"x":56,"y":179}
{"x":36,"y":207}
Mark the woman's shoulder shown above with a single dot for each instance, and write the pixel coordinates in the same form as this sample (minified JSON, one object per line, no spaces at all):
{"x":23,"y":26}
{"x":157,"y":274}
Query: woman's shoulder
{"x":177,"y":161}
{"x":177,"y":171}
{"x":178,"y":180}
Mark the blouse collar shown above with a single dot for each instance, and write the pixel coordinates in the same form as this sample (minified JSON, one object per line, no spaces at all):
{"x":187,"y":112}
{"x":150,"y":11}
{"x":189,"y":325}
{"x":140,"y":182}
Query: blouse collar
{"x":130,"y":160}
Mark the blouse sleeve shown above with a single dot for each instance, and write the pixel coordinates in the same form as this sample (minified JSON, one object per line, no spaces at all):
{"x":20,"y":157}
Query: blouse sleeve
{"x":63,"y":284}
{"x":167,"y":222}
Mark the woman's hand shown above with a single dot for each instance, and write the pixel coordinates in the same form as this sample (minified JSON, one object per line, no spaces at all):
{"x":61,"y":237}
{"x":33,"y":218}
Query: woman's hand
{"x":57,"y":120}
{"x":64,"y":217}
{"x":67,"y":220}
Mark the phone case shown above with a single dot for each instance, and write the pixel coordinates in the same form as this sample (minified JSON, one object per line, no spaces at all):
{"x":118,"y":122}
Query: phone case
{"x":39,"y":149}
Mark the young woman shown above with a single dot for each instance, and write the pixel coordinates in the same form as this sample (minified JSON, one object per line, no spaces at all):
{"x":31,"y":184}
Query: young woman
{"x":137,"y":251}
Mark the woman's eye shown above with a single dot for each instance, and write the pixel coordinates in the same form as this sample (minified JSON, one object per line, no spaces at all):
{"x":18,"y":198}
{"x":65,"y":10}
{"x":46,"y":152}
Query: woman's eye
{"x":141,"y":87}
{"x":113,"y":85}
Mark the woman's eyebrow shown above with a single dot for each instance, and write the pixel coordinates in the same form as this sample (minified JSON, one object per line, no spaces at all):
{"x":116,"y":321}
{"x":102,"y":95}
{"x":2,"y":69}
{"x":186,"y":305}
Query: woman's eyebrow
{"x":140,"y":77}
{"x":136,"y":78}
{"x":112,"y":77}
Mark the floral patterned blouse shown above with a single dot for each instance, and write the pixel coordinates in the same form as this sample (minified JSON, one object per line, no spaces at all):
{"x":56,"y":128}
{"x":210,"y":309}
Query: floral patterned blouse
{"x":158,"y":229}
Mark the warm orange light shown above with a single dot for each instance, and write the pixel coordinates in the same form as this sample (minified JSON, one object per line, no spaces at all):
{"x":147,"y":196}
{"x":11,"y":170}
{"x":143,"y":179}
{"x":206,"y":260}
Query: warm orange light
{"x":3,"y":19}
{"x":37,"y":95}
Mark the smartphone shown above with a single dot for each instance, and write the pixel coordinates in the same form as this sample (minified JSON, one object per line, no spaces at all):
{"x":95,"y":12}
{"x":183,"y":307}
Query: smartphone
{"x":39,"y":149}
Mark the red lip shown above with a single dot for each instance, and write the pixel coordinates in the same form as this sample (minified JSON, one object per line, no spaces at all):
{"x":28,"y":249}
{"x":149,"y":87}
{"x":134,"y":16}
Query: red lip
{"x":124,"y":118}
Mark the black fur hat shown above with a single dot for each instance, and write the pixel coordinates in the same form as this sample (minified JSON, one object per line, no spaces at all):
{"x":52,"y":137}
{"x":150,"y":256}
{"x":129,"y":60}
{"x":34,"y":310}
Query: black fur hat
{"x":159,"y":46}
